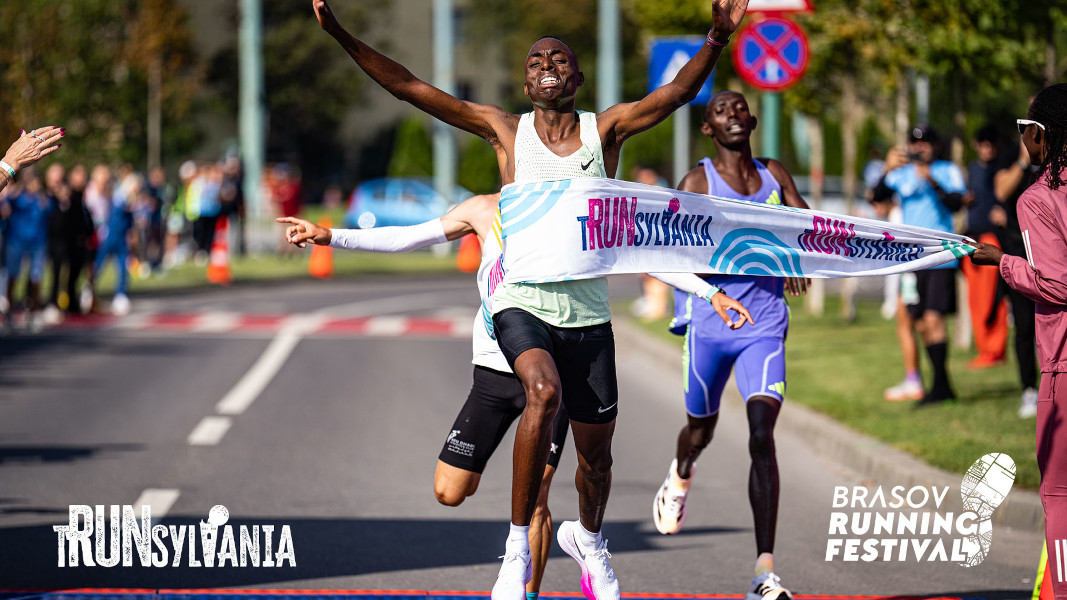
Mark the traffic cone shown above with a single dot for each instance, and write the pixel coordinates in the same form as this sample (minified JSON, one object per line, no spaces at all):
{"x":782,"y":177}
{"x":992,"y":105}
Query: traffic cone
{"x":218,"y":267}
{"x":469,"y":255}
{"x":321,"y":262}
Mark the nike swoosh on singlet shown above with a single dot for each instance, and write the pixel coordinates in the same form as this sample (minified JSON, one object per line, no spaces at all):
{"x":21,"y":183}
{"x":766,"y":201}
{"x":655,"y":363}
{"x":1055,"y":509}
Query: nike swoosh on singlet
{"x":604,"y":410}
{"x":586,"y":165}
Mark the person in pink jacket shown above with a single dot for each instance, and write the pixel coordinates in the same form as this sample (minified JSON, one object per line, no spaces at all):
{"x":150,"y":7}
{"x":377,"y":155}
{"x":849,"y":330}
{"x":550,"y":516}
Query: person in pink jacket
{"x":1042,"y":276}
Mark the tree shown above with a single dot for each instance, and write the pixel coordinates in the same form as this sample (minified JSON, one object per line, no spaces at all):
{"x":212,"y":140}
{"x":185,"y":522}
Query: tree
{"x":82,"y":64}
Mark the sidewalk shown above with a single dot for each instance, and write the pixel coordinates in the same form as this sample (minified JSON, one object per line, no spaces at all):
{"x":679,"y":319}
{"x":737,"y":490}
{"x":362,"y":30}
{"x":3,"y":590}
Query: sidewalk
{"x":879,"y":463}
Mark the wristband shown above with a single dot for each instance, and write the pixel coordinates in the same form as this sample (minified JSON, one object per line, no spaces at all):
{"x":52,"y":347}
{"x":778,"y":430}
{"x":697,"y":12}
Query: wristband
{"x":711,"y":292}
{"x":7,"y":169}
{"x":1022,"y":167}
{"x":711,"y":41}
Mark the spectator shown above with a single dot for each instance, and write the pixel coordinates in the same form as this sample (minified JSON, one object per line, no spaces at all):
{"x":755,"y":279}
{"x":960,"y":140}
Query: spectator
{"x":989,"y":315}
{"x":27,"y":150}
{"x":1009,"y":184}
{"x":930,"y":190}
{"x":26,"y":207}
{"x":115,"y":243}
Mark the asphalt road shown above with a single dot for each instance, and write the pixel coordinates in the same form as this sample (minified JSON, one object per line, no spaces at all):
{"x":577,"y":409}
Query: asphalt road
{"x":322,"y":406}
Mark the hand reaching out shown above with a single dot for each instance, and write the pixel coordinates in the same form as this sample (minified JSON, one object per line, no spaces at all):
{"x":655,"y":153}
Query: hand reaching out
{"x":32,"y":146}
{"x":722,"y":303}
{"x":300,"y":232}
{"x":797,"y":286}
{"x":728,"y":15}
{"x":326,"y":18}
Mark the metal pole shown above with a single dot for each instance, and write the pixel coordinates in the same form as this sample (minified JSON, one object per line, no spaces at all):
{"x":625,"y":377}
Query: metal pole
{"x":682,"y":125}
{"x":609,"y":55}
{"x":609,"y":58}
{"x":770,"y":124}
{"x":444,"y":145}
{"x":253,"y":112}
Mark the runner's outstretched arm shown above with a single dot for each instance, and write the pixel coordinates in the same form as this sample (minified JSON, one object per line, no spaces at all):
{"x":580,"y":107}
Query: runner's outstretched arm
{"x":474,"y":215}
{"x":398,"y":81}
{"x":624,"y":120}
{"x":691,"y":284}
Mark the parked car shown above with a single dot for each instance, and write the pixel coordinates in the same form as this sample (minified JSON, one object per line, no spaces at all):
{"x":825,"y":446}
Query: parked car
{"x":397,"y":201}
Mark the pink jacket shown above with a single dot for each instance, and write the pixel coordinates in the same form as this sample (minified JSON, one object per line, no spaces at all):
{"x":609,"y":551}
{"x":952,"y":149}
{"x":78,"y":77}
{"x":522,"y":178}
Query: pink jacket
{"x":1042,"y":275}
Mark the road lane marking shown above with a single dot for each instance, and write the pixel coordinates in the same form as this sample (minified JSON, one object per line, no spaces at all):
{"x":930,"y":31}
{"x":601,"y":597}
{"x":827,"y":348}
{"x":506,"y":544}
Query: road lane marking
{"x":160,"y":499}
{"x":209,"y":431}
{"x":252,"y":384}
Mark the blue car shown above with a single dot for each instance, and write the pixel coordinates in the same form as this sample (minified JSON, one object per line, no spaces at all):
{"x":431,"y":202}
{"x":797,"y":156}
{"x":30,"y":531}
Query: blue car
{"x":398,"y":201}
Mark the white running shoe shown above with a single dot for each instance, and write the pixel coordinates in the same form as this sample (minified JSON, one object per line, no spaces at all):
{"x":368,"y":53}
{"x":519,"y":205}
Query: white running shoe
{"x":768,"y":587}
{"x":598,"y":578}
{"x":668,"y":507}
{"x":905,"y":390}
{"x":514,"y":574}
{"x":1028,"y":407}
{"x":120,"y":305}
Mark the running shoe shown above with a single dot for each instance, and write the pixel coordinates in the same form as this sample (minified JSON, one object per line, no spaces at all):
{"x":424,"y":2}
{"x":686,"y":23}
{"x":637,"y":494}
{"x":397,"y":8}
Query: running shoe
{"x":1028,"y":407}
{"x":905,"y":390}
{"x":514,"y":574}
{"x":598,"y":578}
{"x":767,"y":586}
{"x":668,"y":507}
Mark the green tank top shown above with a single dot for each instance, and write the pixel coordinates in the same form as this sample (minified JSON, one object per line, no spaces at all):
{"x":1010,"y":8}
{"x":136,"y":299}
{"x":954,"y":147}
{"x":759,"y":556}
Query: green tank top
{"x":576,"y":303}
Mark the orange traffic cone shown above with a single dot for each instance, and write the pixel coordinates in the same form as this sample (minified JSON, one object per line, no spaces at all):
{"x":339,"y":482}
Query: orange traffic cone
{"x":1043,"y":588}
{"x":469,"y":255}
{"x":321,"y":262}
{"x":218,"y":267}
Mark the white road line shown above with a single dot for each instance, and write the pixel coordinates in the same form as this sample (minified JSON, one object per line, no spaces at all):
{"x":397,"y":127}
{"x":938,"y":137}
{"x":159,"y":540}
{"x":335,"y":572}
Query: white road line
{"x":386,"y":326}
{"x":245,"y":392}
{"x":161,"y":501}
{"x":215,"y":322}
{"x":209,"y":431}
{"x":256,"y":379}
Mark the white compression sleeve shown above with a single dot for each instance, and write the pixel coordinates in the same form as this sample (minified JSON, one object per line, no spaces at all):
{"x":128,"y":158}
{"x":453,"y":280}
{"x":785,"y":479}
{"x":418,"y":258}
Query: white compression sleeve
{"x":390,"y":239}
{"x":687,"y":282}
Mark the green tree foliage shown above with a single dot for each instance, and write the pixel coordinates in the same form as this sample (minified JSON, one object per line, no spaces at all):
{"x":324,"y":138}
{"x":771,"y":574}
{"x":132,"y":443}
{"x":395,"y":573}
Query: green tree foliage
{"x":413,"y":151}
{"x":310,"y":83}
{"x":83,"y":64}
{"x":478,"y":170}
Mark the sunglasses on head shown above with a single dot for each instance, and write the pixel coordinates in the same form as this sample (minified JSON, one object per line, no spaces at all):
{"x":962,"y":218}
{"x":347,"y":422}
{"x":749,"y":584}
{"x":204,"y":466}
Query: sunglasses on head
{"x":1024,"y":123}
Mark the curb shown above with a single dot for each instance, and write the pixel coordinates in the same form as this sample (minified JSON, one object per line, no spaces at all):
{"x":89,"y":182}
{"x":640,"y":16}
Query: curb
{"x":867,"y":456}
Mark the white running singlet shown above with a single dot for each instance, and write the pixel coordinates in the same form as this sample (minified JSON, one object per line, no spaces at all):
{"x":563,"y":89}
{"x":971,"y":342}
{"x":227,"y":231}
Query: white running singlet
{"x":577,"y":303}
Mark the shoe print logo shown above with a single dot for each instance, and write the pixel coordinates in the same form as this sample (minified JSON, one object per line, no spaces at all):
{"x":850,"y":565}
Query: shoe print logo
{"x":603,"y":410}
{"x":984,"y":487}
{"x":586,"y":165}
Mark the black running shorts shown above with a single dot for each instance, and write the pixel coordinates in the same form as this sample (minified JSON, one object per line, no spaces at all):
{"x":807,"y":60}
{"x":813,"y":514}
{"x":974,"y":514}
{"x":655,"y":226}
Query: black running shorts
{"x":496,"y":399}
{"x":584,"y":357}
{"x":937,"y":292}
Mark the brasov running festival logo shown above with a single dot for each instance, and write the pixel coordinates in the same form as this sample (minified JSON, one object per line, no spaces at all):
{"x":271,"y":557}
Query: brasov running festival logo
{"x":118,"y":536}
{"x":909,"y":524}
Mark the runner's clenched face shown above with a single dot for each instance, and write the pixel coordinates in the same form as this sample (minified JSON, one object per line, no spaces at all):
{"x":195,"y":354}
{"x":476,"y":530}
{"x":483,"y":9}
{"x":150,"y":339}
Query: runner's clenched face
{"x":727,"y":119}
{"x":552,"y":75}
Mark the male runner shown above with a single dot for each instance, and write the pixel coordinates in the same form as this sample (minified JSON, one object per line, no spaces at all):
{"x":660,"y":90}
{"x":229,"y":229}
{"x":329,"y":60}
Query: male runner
{"x":756,"y":354}
{"x":496,"y":398}
{"x":555,"y":335}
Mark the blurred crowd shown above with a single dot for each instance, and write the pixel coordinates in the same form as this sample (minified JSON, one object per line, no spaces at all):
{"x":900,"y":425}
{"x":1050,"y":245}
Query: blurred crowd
{"x":63,"y":228}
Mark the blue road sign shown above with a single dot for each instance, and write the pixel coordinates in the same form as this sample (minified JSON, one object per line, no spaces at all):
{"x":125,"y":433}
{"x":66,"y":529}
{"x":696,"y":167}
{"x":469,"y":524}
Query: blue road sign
{"x":668,"y":56}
